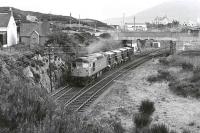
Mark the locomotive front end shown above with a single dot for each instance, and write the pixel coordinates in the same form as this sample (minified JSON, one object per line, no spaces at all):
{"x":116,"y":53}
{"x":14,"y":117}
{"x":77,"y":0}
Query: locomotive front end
{"x":80,"y":68}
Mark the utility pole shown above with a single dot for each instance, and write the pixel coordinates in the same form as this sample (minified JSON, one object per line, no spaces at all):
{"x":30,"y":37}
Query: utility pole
{"x":50,"y":75}
{"x":123,"y":21}
{"x":95,"y":26}
{"x":70,"y":20}
{"x":79,"y":23}
{"x":134,"y":24}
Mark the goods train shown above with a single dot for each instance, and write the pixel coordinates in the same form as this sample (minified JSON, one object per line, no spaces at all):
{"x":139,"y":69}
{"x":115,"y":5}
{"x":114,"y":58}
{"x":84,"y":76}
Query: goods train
{"x":91,"y":66}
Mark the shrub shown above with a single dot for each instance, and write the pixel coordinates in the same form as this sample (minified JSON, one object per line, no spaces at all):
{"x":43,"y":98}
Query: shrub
{"x":196,"y":76}
{"x":105,"y":35}
{"x":162,"y":75}
{"x":142,"y":120}
{"x":39,"y":62}
{"x":153,"y":78}
{"x":164,"y":61}
{"x":185,"y":89}
{"x":147,"y":107}
{"x":186,"y":131}
{"x":187,"y":66}
{"x":159,"y":128}
{"x":173,"y":131}
{"x":117,"y":126}
{"x":36,"y":77}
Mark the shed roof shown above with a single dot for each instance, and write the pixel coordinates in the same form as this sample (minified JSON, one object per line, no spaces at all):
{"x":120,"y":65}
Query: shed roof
{"x":4,"y":19}
{"x":41,"y":28}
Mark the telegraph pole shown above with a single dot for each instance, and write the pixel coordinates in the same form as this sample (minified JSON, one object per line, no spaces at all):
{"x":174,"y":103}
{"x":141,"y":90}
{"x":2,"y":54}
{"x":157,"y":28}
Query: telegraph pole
{"x":79,"y":23}
{"x":123,"y":21}
{"x":70,"y":20}
{"x":134,"y":23}
{"x":50,"y":75}
{"x":95,"y":27}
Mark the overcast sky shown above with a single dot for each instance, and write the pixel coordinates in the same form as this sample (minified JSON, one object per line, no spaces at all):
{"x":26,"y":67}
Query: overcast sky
{"x":95,"y":9}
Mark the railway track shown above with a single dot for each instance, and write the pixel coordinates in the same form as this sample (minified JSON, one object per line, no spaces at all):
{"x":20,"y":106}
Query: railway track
{"x":190,"y":52}
{"x":78,"y":99}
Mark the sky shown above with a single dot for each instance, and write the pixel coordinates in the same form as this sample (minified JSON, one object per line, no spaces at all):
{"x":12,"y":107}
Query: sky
{"x":94,"y":9}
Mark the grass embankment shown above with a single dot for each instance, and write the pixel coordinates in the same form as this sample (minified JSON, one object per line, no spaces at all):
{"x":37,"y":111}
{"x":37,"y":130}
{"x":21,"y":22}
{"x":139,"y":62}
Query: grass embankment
{"x":187,"y":84}
{"x":26,"y":107}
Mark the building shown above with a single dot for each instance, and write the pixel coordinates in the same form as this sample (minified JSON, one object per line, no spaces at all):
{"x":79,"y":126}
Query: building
{"x":117,"y":27}
{"x":34,"y":33}
{"x":8,"y":29}
{"x":162,"y":20}
{"x":136,"y":26}
{"x":31,"y":18}
{"x":191,"y":23}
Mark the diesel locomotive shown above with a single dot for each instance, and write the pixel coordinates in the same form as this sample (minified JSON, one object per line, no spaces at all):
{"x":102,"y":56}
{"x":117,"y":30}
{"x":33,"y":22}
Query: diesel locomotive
{"x":89,"y":67}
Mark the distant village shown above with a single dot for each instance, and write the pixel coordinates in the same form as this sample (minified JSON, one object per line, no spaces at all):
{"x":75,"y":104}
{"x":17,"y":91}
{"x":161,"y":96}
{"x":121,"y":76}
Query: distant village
{"x":37,"y":32}
{"x":160,"y":24}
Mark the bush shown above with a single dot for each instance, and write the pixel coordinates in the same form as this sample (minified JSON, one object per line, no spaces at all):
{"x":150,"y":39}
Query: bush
{"x":147,"y":107}
{"x":165,"y":75}
{"x":186,"y":131}
{"x":153,"y":78}
{"x":36,"y":77}
{"x":196,"y":76}
{"x":185,"y":89}
{"x":159,"y":128}
{"x":117,"y":126}
{"x":39,"y":62}
{"x":187,"y":66}
{"x":142,"y":120}
{"x":105,"y":35}
{"x":164,"y":61}
{"x":173,"y":131}
{"x":162,"y":75}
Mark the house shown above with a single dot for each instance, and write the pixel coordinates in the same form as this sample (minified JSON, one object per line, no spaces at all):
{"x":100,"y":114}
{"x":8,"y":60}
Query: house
{"x":117,"y":27}
{"x":162,"y":20}
{"x":136,"y":26}
{"x":8,"y":29}
{"x":34,"y":33}
{"x":31,"y":18}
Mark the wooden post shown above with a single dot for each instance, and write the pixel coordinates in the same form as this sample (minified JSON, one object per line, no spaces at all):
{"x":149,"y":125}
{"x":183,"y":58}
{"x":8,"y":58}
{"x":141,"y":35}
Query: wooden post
{"x":50,"y":75}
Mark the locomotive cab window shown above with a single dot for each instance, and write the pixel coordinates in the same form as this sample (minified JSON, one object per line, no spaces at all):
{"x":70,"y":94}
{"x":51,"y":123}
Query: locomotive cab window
{"x":85,"y":65}
{"x":116,"y":58}
{"x":74,"y":64}
{"x":93,"y":66}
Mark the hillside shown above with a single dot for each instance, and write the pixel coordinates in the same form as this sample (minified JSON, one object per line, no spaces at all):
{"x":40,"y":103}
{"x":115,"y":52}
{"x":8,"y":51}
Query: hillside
{"x":92,"y":23}
{"x":182,"y":10}
{"x":20,"y":16}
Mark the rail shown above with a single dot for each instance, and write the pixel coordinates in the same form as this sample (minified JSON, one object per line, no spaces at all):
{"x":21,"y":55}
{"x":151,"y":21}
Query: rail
{"x":79,"y":101}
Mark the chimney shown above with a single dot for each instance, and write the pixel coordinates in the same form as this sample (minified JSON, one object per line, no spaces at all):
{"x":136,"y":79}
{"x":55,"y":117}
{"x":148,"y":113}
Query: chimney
{"x":10,"y":11}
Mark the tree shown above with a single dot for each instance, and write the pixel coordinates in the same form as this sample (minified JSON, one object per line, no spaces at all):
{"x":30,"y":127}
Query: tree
{"x":175,"y":23}
{"x":105,"y":35}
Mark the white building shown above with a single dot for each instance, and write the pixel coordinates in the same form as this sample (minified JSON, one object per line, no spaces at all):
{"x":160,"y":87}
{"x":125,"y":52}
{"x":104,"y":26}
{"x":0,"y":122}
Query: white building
{"x":136,"y":26}
{"x":191,"y":23}
{"x":31,"y":18}
{"x":162,"y":20}
{"x":8,"y":29}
